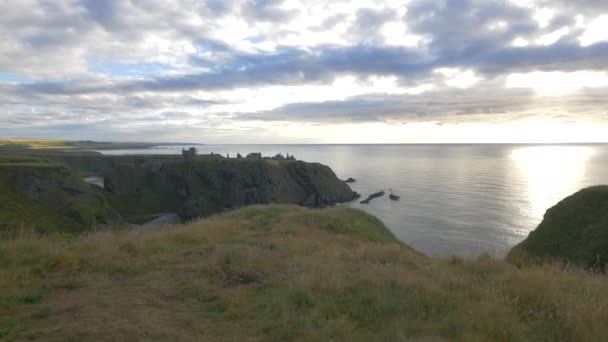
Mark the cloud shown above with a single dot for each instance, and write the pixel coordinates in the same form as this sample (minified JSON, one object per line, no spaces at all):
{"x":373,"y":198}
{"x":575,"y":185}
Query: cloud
{"x":210,"y":64}
{"x":266,"y":11}
{"x":450,"y":105}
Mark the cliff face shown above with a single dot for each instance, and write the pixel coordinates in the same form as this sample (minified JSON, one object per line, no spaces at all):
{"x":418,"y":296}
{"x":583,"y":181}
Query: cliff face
{"x":201,"y":188}
{"x":575,"y":230}
{"x":49,"y":197}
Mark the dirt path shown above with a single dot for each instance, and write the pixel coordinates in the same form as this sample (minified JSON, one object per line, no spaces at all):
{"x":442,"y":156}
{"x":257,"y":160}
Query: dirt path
{"x":162,"y":220}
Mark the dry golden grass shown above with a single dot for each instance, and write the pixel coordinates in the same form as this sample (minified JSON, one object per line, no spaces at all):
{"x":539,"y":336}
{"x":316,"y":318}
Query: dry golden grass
{"x":283,"y":273}
{"x":37,"y":143}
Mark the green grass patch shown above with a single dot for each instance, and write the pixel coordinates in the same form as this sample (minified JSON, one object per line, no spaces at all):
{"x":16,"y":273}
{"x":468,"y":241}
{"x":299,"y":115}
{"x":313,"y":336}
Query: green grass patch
{"x":139,"y":207}
{"x":347,"y":221}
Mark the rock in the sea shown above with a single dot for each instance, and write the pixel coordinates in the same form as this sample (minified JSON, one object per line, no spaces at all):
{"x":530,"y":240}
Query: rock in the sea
{"x":575,"y":230}
{"x":372,"y":196}
{"x":350,"y":180}
{"x":394,"y":197}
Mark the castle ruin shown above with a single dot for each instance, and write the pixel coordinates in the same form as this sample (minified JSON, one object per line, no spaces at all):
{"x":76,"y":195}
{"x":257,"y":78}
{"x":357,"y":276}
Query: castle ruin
{"x":189,"y":154}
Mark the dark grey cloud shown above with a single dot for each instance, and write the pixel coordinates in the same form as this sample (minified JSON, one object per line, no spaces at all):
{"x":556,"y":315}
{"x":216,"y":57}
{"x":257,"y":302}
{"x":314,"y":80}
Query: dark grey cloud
{"x":266,"y":11}
{"x":331,"y":22}
{"x":443,"y":104}
{"x":107,"y":13}
{"x":286,"y":67}
{"x":454,"y":26}
{"x":295,"y":66}
{"x":588,"y":7}
{"x":556,"y":57}
{"x":485,"y":102}
{"x":369,"y":22}
{"x":292,"y":66}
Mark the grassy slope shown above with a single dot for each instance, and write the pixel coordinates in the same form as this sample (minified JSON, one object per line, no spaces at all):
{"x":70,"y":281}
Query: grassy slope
{"x":575,"y":230}
{"x":283,"y":273}
{"x":17,"y":211}
{"x":20,"y":212}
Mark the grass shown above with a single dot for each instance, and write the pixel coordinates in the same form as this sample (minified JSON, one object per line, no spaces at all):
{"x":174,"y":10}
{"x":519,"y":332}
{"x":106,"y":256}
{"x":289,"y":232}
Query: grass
{"x":59,"y":208}
{"x":277,"y":273}
{"x":18,"y":213}
{"x":36,"y":143}
{"x":16,"y":160}
{"x":575,"y":231}
{"x":144,"y":206}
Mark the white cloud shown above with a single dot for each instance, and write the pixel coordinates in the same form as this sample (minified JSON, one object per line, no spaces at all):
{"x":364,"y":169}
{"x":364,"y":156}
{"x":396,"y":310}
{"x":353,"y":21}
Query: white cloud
{"x":552,"y":37}
{"x":543,"y":16}
{"x":520,"y":42}
{"x":458,"y":78}
{"x":557,"y":83}
{"x":596,"y":31}
{"x":396,"y":33}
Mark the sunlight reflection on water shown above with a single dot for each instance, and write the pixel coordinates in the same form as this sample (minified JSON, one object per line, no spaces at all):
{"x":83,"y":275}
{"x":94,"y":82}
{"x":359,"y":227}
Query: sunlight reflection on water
{"x":551,"y":173}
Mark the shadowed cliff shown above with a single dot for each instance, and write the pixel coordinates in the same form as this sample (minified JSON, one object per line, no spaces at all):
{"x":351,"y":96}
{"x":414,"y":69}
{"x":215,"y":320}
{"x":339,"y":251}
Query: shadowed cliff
{"x":200,"y":188}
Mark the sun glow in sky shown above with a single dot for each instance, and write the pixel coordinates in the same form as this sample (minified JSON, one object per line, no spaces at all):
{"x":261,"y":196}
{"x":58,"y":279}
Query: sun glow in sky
{"x":284,"y":71}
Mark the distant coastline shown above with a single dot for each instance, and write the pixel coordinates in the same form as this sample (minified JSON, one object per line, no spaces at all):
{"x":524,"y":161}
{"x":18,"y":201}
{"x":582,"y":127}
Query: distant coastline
{"x":82,"y":145}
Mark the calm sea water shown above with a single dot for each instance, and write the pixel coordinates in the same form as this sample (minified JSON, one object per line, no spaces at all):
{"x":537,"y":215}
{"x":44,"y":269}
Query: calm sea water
{"x":455,"y":199}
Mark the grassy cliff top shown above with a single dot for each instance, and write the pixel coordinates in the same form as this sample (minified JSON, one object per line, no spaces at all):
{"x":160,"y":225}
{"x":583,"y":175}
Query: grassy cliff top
{"x":575,"y":230}
{"x":283,"y":273}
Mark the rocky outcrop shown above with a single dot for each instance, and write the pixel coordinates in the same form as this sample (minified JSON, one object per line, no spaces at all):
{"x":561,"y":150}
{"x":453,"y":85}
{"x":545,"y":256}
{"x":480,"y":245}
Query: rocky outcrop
{"x":372,"y":197}
{"x":575,"y":231}
{"x":51,"y":198}
{"x":201,"y":188}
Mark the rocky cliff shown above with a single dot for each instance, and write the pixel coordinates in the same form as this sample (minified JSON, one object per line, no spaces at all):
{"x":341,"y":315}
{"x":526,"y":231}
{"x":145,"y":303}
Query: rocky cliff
{"x":201,"y":188}
{"x":45,"y":196}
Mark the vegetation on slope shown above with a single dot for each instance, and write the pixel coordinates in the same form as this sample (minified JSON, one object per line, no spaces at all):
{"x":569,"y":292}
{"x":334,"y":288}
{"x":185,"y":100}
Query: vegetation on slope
{"x":283,"y":273}
{"x":46,"y":196}
{"x":24,"y":143}
{"x":140,"y":187}
{"x":204,"y":187}
{"x":575,"y":231}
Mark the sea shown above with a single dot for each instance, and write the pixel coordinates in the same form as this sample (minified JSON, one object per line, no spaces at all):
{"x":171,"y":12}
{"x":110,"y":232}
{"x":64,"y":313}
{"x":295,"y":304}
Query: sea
{"x":455,"y":199}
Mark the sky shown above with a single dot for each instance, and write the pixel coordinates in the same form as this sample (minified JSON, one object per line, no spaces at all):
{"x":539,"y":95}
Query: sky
{"x":293,"y":71}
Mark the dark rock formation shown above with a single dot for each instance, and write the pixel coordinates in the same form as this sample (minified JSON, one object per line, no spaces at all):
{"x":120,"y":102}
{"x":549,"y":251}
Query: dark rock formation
{"x":372,"y":196}
{"x":201,"y":188}
{"x":394,"y":197}
{"x":575,"y":231}
{"x":350,"y":180}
